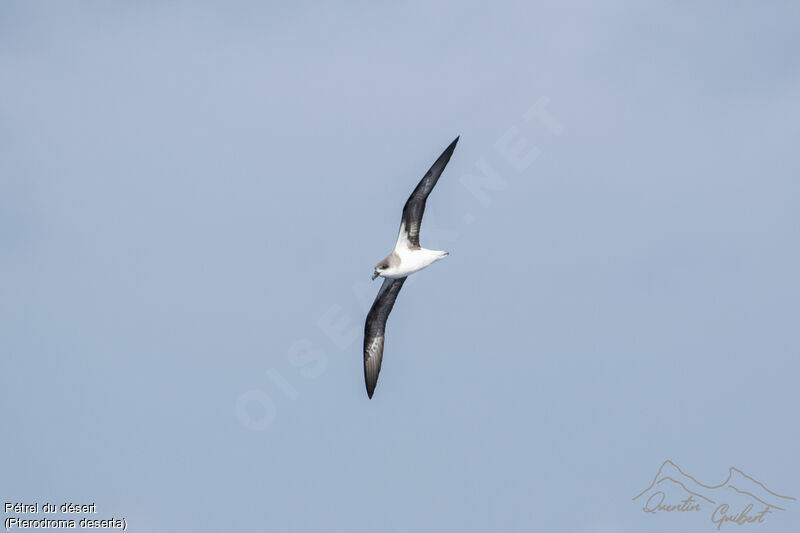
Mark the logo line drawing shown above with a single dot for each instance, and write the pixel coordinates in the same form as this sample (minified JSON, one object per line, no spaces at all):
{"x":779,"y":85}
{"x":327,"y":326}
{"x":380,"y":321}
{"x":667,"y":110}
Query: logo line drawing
{"x":742,"y":498}
{"x":731,"y":470}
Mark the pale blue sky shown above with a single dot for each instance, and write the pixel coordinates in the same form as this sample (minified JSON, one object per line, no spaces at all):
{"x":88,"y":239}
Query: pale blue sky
{"x":193,"y":196}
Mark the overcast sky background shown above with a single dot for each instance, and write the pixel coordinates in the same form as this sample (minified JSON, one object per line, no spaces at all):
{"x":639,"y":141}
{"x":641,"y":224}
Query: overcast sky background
{"x":193,"y":196}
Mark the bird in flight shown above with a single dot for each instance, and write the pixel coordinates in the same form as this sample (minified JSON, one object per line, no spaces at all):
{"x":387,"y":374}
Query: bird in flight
{"x":406,"y":258}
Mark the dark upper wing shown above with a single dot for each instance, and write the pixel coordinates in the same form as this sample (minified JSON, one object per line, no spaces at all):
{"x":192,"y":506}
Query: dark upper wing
{"x":375,"y":328}
{"x":415,"y":205}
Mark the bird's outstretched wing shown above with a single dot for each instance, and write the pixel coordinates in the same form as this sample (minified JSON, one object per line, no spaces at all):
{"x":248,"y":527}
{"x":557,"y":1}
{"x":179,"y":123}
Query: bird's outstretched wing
{"x":375,"y":329}
{"x":415,"y":205}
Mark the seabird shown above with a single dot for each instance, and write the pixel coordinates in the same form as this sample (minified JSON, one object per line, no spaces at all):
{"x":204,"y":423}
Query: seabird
{"x":406,"y":258}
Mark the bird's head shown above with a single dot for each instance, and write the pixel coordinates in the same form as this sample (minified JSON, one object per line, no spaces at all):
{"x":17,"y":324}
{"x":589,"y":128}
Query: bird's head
{"x":387,"y":265}
{"x":380,"y":268}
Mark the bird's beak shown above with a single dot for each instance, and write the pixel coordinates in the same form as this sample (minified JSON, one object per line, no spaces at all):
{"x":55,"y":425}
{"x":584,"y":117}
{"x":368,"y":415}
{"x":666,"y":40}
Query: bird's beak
{"x":375,"y":275}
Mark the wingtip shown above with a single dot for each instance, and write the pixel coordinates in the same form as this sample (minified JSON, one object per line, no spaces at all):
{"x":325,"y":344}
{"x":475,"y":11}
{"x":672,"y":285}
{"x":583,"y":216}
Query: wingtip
{"x":451,"y":148}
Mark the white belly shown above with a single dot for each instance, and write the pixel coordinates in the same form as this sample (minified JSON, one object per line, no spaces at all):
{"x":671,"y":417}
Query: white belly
{"x":413,"y":261}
